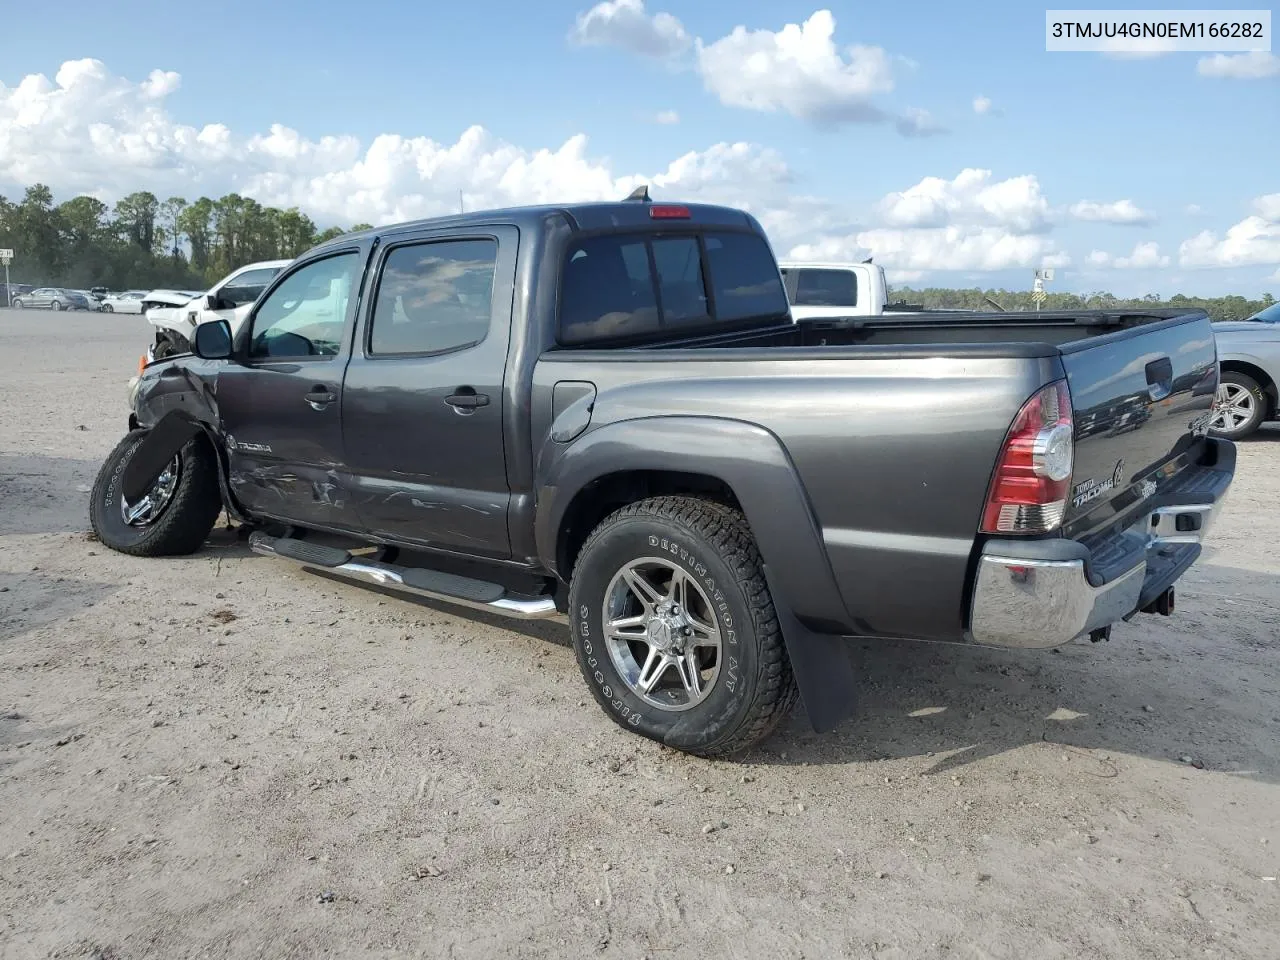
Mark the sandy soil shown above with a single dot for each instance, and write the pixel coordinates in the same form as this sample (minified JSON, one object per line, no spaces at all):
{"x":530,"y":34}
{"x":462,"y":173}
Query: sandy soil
{"x":225,"y":756}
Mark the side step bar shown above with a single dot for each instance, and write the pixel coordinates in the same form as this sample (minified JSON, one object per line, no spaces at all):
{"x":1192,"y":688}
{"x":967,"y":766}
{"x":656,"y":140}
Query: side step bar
{"x":432,"y":584}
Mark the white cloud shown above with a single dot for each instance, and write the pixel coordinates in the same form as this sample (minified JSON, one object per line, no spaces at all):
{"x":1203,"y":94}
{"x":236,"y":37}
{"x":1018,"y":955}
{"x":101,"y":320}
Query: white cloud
{"x":918,"y":122}
{"x":1145,"y":256}
{"x":1253,"y":241}
{"x":1137,"y":48}
{"x":981,"y":104}
{"x":941,"y":248}
{"x":626,"y":24}
{"x":972,"y":197}
{"x":666,"y":117}
{"x":798,"y":70}
{"x":1194,"y":209}
{"x":90,"y":131}
{"x":1255,"y":65}
{"x":903,"y":276}
{"x":971,"y":222}
{"x":1268,"y":206}
{"x":1124,"y":212}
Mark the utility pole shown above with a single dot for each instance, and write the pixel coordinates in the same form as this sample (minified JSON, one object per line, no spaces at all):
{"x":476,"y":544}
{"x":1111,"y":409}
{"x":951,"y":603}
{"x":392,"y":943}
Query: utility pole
{"x":6,"y":256}
{"x":1043,"y":276}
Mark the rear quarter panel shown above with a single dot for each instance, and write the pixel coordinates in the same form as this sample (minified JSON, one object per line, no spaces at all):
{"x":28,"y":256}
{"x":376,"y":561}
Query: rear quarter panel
{"x":893,"y":451}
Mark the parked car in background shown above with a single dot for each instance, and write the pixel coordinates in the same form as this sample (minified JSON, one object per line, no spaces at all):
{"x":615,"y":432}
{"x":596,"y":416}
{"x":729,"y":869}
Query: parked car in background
{"x":229,"y":299}
{"x":98,"y":293}
{"x":10,"y":290}
{"x":128,"y":302}
{"x":93,"y":302}
{"x":1249,"y":354}
{"x":53,"y":298}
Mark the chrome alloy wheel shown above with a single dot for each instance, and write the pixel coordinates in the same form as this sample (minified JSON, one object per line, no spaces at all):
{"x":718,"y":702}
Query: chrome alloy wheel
{"x":662,"y":634}
{"x":153,"y":504}
{"x":1233,"y":407}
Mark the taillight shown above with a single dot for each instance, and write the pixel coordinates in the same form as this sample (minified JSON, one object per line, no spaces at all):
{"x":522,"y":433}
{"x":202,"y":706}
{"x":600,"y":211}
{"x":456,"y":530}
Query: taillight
{"x":1029,"y":488}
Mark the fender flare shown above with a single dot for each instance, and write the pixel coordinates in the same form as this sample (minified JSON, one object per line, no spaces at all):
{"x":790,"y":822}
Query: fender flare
{"x":165,"y":438}
{"x":752,"y":462}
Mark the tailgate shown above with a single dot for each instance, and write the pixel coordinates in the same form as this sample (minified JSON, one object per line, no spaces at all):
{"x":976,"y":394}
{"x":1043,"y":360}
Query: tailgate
{"x":1141,"y":399}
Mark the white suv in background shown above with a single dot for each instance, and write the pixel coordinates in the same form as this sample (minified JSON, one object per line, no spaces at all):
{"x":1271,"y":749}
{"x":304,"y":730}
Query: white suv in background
{"x":230,"y":299}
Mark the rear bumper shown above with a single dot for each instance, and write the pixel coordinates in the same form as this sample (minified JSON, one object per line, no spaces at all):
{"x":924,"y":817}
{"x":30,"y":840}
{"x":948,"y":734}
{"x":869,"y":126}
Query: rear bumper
{"x":1037,"y":594}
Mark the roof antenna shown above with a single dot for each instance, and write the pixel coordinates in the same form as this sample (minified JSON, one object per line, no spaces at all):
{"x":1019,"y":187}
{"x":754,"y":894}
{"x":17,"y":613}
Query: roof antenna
{"x":868,"y":260}
{"x":640,"y":193}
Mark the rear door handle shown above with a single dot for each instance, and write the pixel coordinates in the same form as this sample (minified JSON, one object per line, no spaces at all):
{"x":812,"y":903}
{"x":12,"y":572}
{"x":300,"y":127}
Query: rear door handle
{"x":467,"y":399}
{"x":320,"y":397}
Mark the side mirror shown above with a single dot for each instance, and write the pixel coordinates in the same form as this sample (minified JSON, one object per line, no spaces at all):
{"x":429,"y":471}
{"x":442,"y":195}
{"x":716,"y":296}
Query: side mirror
{"x":213,"y":340}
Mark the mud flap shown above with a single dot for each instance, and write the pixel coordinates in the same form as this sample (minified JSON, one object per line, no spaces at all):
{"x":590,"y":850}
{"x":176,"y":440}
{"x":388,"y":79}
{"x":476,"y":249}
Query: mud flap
{"x":162,"y":441}
{"x":821,"y":666}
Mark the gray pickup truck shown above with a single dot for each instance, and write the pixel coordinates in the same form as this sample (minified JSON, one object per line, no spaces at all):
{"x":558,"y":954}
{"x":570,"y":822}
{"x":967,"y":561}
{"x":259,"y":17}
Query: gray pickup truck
{"x":603,"y":412}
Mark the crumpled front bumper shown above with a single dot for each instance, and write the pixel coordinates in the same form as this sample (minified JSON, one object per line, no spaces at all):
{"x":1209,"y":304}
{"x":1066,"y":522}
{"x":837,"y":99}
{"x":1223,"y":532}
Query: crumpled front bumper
{"x":1038,"y":594}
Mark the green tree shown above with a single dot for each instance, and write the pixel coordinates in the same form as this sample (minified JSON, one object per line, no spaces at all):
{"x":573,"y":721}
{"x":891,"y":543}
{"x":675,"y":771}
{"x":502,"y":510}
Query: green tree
{"x":136,"y":219}
{"x":196,"y":223}
{"x":170,"y":220}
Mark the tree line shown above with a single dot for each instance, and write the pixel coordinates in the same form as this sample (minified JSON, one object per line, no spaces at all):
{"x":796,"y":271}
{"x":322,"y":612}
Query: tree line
{"x":939,"y":298}
{"x":145,"y":242}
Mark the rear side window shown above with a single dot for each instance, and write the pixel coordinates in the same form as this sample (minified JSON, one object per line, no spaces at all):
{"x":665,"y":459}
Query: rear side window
{"x":434,"y":297}
{"x":826,"y":288}
{"x":620,"y":286}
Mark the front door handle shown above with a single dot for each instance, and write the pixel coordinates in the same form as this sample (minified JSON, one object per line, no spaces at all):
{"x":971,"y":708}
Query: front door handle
{"x":320,"y":397}
{"x":467,"y":399}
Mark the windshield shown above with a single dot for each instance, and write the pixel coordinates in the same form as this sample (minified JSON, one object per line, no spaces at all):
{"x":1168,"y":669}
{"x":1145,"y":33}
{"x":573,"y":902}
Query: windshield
{"x":1269,"y":315}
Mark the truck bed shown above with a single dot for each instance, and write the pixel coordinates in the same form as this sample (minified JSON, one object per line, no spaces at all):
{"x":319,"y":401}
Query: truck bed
{"x":893,"y":425}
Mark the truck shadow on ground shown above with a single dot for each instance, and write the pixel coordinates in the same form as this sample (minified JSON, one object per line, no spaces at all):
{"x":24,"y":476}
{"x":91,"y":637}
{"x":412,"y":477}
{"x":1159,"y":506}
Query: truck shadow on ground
{"x":1202,"y":688}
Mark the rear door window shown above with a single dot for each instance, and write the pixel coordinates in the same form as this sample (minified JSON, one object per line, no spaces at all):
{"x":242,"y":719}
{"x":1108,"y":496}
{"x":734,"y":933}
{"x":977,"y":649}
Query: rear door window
{"x":606,"y":291}
{"x":744,"y":277}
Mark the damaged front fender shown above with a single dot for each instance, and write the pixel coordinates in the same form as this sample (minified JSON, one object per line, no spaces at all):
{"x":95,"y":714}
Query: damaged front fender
{"x":163,"y":441}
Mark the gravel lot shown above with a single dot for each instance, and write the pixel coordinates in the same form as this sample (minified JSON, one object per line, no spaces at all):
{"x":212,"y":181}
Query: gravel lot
{"x":226,"y":756}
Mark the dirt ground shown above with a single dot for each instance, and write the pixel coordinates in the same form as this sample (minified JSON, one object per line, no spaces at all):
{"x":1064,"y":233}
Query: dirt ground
{"x":225,"y":756}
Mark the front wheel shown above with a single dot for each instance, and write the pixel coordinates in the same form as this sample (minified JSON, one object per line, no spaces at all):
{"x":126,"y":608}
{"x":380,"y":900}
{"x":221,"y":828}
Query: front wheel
{"x":1239,"y":407}
{"x":56,"y":305}
{"x":174,"y":517}
{"x":107,"y":308}
{"x":674,"y":628}
{"x":17,"y":304}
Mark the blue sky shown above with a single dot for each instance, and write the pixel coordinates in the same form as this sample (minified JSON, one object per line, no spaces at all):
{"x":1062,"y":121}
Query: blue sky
{"x":1157,"y":132}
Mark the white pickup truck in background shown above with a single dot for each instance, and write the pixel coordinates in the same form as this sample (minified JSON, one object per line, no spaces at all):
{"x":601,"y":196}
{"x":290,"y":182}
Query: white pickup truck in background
{"x":825,"y":290}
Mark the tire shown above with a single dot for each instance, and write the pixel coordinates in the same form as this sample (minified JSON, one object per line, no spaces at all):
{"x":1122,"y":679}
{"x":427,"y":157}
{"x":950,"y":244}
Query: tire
{"x":107,"y":308}
{"x":165,"y":347}
{"x":750,"y":688}
{"x":184,"y":521}
{"x":1240,"y":407}
{"x":56,"y":305}
{"x":16,"y":304}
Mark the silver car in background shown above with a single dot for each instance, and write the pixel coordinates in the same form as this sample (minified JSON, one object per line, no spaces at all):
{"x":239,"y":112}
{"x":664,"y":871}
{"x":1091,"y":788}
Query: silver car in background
{"x":1249,"y":357}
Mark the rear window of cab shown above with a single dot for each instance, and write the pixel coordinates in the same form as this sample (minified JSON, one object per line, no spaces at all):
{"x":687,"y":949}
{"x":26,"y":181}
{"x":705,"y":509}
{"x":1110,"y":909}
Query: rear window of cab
{"x":638,"y":286}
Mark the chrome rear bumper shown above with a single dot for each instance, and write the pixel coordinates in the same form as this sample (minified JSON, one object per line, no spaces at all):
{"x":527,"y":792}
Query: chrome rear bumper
{"x":1033,"y":602}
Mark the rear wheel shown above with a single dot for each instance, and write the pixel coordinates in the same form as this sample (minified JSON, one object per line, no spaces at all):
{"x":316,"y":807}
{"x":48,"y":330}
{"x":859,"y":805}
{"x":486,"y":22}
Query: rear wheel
{"x":56,"y":305}
{"x":174,"y":517}
{"x":674,"y":628}
{"x":1240,"y":406}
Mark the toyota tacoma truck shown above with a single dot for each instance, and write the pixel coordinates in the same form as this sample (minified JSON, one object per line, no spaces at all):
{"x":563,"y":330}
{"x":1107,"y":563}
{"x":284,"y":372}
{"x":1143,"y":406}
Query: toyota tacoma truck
{"x":604,"y":412}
